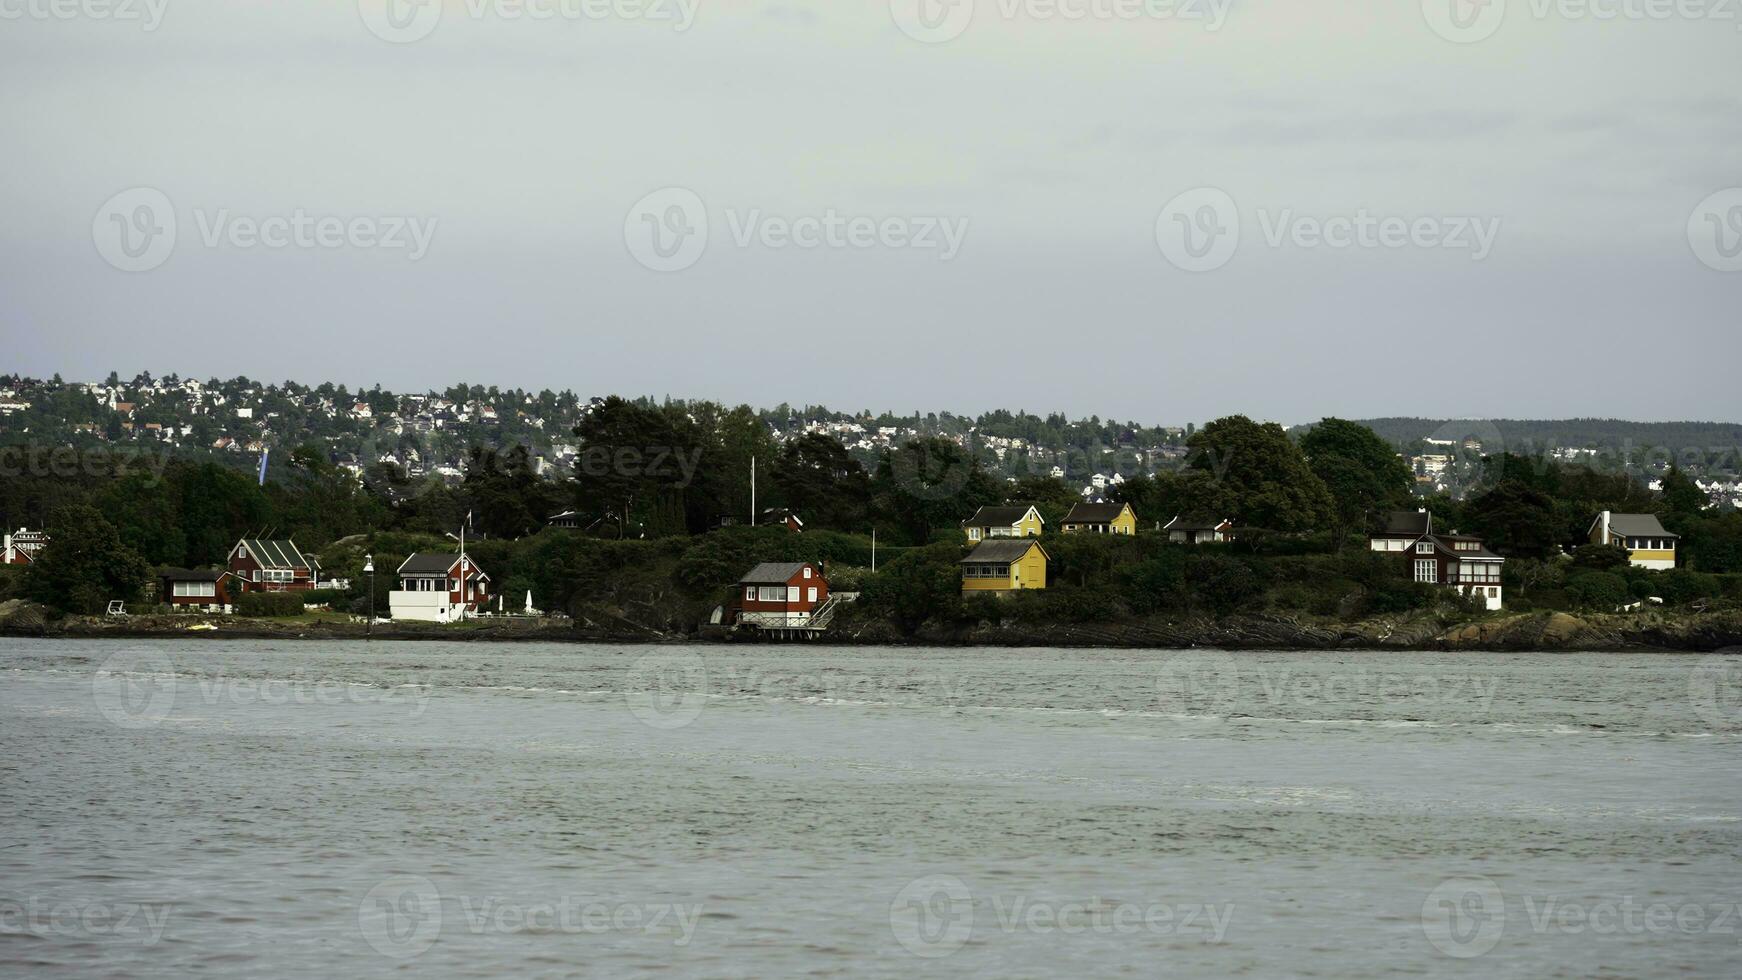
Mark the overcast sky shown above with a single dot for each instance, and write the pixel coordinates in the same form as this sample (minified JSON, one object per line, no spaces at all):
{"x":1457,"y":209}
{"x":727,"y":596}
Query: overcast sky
{"x":1003,"y":207}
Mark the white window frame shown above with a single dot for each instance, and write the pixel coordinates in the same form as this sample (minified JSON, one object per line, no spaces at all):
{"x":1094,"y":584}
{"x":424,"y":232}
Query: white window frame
{"x":812,"y":597}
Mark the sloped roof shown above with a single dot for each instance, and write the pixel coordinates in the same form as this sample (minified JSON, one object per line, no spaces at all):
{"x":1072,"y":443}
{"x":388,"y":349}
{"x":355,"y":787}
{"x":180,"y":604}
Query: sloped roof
{"x":1638,"y":526}
{"x":1408,"y":522}
{"x":436,"y":563}
{"x":1006,"y":550}
{"x":1094,"y":513}
{"x":191,"y":574}
{"x":772,"y":571}
{"x":1001,"y":516}
{"x":275,"y":553}
{"x":1445,"y":542}
{"x":1195,"y":522}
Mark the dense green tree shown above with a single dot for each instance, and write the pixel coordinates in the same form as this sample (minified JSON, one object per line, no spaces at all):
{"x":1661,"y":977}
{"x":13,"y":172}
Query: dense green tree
{"x":929,"y":484}
{"x":1259,"y":475}
{"x":85,"y":564}
{"x":1681,"y":494}
{"x":825,"y":485}
{"x":1363,"y":473}
{"x":1516,"y":520}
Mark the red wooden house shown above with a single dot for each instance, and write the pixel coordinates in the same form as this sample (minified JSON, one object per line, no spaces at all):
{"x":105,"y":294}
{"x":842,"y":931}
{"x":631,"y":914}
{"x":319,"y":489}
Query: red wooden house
{"x":261,"y":565}
{"x":438,"y":587}
{"x":205,"y":589}
{"x":778,"y":594}
{"x":22,"y":546}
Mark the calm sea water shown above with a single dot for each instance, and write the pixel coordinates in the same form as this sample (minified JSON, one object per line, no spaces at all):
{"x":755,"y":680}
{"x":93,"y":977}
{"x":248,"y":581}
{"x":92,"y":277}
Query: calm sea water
{"x":467,"y":810}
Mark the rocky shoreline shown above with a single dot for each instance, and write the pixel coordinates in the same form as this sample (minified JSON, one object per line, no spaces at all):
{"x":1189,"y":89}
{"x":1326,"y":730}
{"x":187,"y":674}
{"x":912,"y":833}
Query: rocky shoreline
{"x":1649,"y":631}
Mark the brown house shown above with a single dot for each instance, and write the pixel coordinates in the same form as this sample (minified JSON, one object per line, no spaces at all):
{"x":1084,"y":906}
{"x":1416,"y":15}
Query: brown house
{"x":778,"y":594}
{"x":194,"y":588}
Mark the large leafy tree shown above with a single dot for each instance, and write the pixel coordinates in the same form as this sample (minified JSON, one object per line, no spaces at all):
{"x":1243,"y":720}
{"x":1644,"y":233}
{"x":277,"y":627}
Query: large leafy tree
{"x":929,"y":484}
{"x":85,"y":564}
{"x":1258,"y":474}
{"x":827,"y":487}
{"x":1516,"y":519}
{"x":1362,"y":472}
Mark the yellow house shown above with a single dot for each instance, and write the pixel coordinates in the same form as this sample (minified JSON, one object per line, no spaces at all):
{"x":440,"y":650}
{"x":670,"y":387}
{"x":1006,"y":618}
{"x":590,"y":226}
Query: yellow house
{"x":1101,"y":519}
{"x":1647,"y":543}
{"x":1004,"y":566}
{"x":1008,"y":521}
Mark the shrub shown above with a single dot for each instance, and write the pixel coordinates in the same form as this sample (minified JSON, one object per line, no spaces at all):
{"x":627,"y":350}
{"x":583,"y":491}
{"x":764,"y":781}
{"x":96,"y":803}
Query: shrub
{"x":1598,"y":590}
{"x":269,"y":604}
{"x":324,"y":597}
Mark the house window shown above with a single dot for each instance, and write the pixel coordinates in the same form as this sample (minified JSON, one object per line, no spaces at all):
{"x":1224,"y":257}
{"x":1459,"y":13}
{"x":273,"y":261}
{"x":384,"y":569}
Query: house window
{"x":812,"y":594}
{"x":749,"y":593}
{"x":195,"y":589}
{"x":771,"y":593}
{"x":807,"y":571}
{"x":973,"y":534}
{"x":1424,"y":547}
{"x":1426,"y":570}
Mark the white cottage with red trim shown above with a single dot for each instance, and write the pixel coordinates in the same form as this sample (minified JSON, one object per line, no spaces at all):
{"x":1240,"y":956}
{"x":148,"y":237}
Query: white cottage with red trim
{"x":439,"y":588}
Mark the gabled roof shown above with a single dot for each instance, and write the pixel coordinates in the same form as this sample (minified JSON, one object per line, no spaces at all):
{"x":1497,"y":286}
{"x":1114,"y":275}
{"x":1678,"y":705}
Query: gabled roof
{"x":191,"y":574}
{"x":1445,"y":543}
{"x":435,"y":563}
{"x":1636,"y":526}
{"x":1410,"y":523}
{"x":1196,"y":522}
{"x":275,"y":553}
{"x":772,"y":572}
{"x":1005,"y":550}
{"x":1094,"y":513}
{"x":1005,"y":515}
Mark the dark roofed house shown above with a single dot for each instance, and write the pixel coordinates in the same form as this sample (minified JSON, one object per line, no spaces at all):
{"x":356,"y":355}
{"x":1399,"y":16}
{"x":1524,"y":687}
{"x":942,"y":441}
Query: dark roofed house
{"x":1199,"y":529}
{"x":778,"y":593}
{"x":1401,"y":529}
{"x":781,"y":515}
{"x":272,"y":565}
{"x":1101,"y":519}
{"x":1004,"y":566}
{"x":205,"y":589}
{"x":1004,"y":521}
{"x":1648,"y":543}
{"x":438,"y":587}
{"x":1459,"y":561}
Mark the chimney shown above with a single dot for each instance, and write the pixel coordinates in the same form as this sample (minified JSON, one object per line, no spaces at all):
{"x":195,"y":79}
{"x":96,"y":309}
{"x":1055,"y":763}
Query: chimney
{"x":1605,"y":520}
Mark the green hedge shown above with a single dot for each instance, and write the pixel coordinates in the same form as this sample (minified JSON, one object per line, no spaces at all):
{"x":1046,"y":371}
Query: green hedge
{"x":269,"y":604}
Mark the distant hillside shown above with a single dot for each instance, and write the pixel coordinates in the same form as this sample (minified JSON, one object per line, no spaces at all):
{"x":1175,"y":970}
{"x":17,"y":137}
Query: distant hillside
{"x":1537,"y":434}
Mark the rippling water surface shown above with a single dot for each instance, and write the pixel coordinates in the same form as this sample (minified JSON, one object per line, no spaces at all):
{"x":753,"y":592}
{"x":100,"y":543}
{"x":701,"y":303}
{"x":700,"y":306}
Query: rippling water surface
{"x":471,"y":810}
